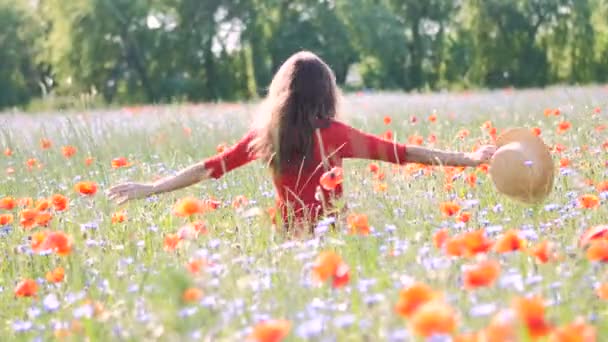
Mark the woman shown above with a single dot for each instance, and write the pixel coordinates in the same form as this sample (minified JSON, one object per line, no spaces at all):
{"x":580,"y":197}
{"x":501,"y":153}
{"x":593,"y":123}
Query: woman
{"x":298,"y":135}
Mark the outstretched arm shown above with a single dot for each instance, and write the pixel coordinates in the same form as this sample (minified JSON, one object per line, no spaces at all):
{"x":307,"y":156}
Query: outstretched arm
{"x":214,"y":167}
{"x":421,"y":155}
{"x":353,"y":143}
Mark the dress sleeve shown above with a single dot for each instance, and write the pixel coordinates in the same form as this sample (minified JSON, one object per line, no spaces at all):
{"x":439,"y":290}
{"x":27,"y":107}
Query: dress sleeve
{"x":232,"y":158}
{"x":353,"y":143}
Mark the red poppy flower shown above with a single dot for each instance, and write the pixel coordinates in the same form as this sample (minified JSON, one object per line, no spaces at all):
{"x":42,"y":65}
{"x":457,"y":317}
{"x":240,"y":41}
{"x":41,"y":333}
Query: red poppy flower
{"x":270,"y":331}
{"x":413,"y":297}
{"x":68,"y":151}
{"x":26,"y":288}
{"x":449,"y":208}
{"x":6,"y":219}
{"x":120,"y":162}
{"x":332,"y":178}
{"x":509,"y":242}
{"x":358,"y":224}
{"x":589,"y":201}
{"x":329,"y":265}
{"x":86,"y":188}
{"x":481,"y":275}
{"x":60,"y":202}
{"x":56,"y":275}
{"x":434,"y":317}
{"x":7,"y":203}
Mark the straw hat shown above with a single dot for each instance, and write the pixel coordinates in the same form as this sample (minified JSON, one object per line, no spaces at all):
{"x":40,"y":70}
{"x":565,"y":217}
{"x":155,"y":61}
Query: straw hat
{"x":522,"y":167}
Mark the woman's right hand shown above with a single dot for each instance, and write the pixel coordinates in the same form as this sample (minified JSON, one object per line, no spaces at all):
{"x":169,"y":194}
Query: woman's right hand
{"x":122,"y":193}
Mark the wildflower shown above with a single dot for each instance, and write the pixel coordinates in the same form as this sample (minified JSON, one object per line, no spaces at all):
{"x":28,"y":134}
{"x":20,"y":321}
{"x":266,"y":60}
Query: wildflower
{"x":7,"y":203}
{"x":416,"y":140}
{"x":221,"y":148}
{"x":119,"y":217}
{"x":68,"y":151}
{"x":413,"y":297}
{"x":475,"y":242}
{"x":482,"y":274}
{"x":588,"y":201}
{"x":388,"y":135}
{"x":120,"y":162}
{"x":43,"y":218}
{"x":332,"y":178}
{"x":270,"y":331}
{"x":432,"y":118}
{"x":43,"y":204}
{"x":25,"y":202}
{"x":373,"y":167}
{"x":86,"y":188}
{"x":37,"y":239}
{"x":598,"y":251}
{"x":440,"y":237}
{"x":358,"y":224}
{"x":602,"y":186}
{"x":449,"y":208}
{"x":432,"y":318}
{"x":594,"y":233}
{"x":28,"y":218}
{"x":8,"y":152}
{"x":192,"y":294}
{"x":501,"y":327}
{"x":31,"y":163}
{"x":602,"y":291}
{"x":542,"y":252}
{"x":6,"y":219}
{"x":536,"y":131}
{"x":463,"y":134}
{"x":564,"y":162}
{"x":471,"y":179}
{"x":57,"y":242}
{"x":387,"y":120}
{"x":509,"y":242}
{"x":26,"y":288}
{"x":89,"y":161}
{"x":188,"y":206}
{"x":329,"y":265}
{"x":195,"y":266}
{"x":455,"y":246}
{"x":563,"y":127}
{"x":171,"y":242}
{"x":577,"y":331}
{"x":56,"y":275}
{"x":464,"y":217}
{"x":531,"y":311}
{"x":240,"y":201}
{"x":60,"y":202}
{"x":45,"y":144}
{"x":192,"y":230}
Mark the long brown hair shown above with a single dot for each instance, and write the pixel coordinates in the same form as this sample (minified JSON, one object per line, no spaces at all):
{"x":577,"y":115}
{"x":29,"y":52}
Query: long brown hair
{"x":302,"y":97}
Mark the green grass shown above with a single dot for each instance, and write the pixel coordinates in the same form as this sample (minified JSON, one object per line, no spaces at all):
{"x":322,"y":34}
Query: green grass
{"x":257,"y":273}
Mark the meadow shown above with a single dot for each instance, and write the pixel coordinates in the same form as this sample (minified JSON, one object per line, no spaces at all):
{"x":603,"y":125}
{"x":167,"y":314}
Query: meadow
{"x":75,"y":266}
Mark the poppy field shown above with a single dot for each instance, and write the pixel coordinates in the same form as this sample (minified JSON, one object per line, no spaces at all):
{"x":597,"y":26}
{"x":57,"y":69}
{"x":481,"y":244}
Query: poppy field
{"x":421,"y":252}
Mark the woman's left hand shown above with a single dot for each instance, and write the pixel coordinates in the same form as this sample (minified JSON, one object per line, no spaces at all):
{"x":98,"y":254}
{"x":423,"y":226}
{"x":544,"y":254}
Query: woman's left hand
{"x":482,"y":155}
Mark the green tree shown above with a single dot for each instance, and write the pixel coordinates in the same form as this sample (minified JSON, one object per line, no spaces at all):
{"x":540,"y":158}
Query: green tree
{"x":20,"y":74}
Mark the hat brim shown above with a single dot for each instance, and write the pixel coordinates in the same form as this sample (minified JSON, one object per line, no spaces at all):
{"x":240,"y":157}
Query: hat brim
{"x":542,"y":164}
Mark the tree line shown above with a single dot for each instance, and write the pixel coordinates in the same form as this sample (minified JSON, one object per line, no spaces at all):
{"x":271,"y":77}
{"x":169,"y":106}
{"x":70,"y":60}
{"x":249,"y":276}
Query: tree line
{"x":151,"y":51}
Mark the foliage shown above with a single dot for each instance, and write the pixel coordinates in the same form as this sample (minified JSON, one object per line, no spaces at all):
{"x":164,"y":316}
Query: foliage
{"x":140,"y":51}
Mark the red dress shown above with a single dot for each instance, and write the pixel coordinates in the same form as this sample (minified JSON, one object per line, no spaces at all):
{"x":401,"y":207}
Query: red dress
{"x":296,"y":187}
